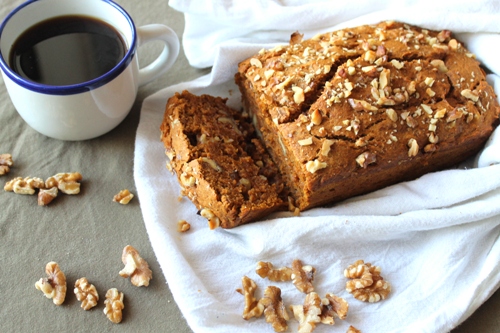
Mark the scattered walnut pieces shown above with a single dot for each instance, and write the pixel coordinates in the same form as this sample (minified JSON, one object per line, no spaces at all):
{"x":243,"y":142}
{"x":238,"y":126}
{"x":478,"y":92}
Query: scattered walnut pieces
{"x":308,"y":315}
{"x":114,"y":305}
{"x":183,"y":226}
{"x":253,"y":308}
{"x":86,"y":293}
{"x":5,"y":163}
{"x":53,"y":286}
{"x":26,"y":185}
{"x":68,"y":183}
{"x":123,"y":197}
{"x":65,"y":182}
{"x":314,"y":310}
{"x":367,"y":284}
{"x":274,"y":309}
{"x":302,"y":276}
{"x":267,"y":270}
{"x":135,"y":267}
{"x":45,"y":196}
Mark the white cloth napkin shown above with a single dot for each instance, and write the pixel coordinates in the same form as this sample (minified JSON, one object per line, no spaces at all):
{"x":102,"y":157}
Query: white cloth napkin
{"x":435,"y":238}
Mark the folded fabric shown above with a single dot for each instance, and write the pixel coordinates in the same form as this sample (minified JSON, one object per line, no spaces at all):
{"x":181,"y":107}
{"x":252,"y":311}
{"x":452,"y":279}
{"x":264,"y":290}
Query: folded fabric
{"x":436,"y":238}
{"x":210,"y":23}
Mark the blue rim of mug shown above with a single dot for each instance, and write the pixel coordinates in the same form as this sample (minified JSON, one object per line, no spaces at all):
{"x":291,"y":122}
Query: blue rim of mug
{"x":73,"y":88}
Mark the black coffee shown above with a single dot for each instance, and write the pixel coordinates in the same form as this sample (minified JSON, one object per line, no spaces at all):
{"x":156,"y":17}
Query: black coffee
{"x":67,"y":50}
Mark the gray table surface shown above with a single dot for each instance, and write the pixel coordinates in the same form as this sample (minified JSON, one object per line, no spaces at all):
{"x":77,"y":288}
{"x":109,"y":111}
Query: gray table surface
{"x":85,"y":234}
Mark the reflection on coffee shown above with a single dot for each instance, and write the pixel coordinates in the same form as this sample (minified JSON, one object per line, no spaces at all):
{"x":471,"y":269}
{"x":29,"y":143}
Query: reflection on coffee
{"x":67,"y":50}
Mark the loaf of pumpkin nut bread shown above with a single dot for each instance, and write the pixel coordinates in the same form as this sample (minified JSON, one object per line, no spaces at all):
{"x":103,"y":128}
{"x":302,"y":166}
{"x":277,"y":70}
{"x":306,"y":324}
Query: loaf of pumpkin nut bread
{"x":341,"y":114}
{"x":355,"y":110}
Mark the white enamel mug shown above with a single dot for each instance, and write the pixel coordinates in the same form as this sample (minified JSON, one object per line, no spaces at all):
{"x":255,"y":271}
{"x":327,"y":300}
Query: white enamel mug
{"x":89,"y":109}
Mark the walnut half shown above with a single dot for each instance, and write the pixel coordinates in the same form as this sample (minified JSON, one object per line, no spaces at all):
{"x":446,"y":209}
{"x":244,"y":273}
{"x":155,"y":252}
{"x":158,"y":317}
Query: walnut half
{"x":54,"y":286}
{"x":367,"y":284}
{"x":135,"y":267}
{"x":253,"y":308}
{"x":86,"y":293}
{"x":266,"y":269}
{"x":333,"y":306}
{"x":114,"y":305}
{"x":308,"y":315}
{"x":303,"y":276}
{"x":274,"y":309}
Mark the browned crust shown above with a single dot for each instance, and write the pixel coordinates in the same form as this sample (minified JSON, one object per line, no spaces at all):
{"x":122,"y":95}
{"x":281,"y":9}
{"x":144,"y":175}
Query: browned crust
{"x":444,"y":117}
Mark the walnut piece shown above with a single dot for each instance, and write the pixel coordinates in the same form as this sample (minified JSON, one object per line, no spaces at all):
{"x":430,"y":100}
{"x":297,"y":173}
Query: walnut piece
{"x":86,"y":293}
{"x":353,"y":329}
{"x":123,"y":197}
{"x":367,"y":284}
{"x":68,"y":183}
{"x":274,"y":309}
{"x":5,"y":163}
{"x":114,"y":305}
{"x":360,"y":274}
{"x":333,"y":306}
{"x":183,"y":226}
{"x":253,"y":308}
{"x":313,"y":166}
{"x":365,"y":159}
{"x":302,"y":276}
{"x":54,"y":285}
{"x":308,"y":315}
{"x":27,"y":185}
{"x":135,"y":267}
{"x":213,"y":221}
{"x":45,"y":196}
{"x":267,"y":270}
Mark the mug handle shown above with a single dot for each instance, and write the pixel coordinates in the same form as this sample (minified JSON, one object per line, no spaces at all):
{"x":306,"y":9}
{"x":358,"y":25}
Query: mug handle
{"x":158,"y":32}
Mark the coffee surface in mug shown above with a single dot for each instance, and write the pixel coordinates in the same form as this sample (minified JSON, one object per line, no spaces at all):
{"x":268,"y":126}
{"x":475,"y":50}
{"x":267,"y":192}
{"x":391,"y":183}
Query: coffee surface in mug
{"x":67,"y":50}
